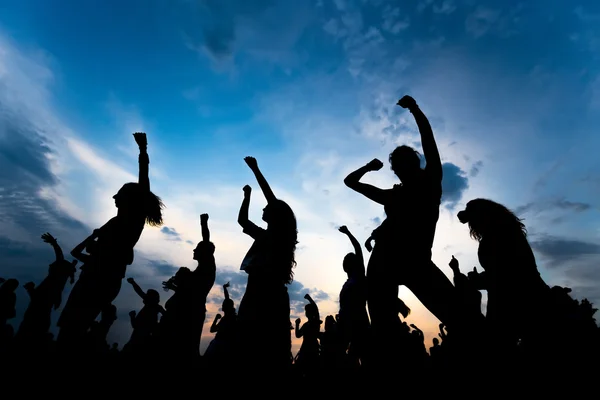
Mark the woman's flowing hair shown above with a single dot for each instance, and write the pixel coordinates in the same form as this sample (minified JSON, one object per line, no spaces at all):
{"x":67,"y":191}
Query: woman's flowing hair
{"x":285,"y":234}
{"x":492,"y":217}
{"x":153,"y":209}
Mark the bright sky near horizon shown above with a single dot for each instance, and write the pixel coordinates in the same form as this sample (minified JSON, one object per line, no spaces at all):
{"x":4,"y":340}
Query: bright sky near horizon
{"x":308,"y":87}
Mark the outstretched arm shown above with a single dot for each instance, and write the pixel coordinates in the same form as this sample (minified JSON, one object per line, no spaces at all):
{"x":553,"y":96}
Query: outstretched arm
{"x":262,"y":182}
{"x":48,"y":238}
{"x":430,"y":150}
{"x":137,"y":288}
{"x":243,"y":214}
{"x":143,"y":159}
{"x":204,"y":225}
{"x":357,"y":248}
{"x":371,"y":192}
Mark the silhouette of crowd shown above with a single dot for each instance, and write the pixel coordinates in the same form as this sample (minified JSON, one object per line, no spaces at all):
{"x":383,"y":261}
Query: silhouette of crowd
{"x":529,"y":329}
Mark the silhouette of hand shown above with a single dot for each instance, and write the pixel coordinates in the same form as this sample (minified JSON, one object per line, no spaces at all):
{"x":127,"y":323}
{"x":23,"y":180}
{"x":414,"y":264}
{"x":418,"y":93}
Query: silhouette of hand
{"x":374,"y":165}
{"x":140,"y":139}
{"x":298,"y":320}
{"x":29,"y":285}
{"x":130,"y":280}
{"x":132,"y":314}
{"x":307,"y":296}
{"x":95,"y":233}
{"x":247,"y":190}
{"x":203,"y":218}
{"x":368,"y":245}
{"x":453,"y":264}
{"x":48,"y":238}
{"x":407,"y":102}
{"x":344,"y":229}
{"x":473,"y":274}
{"x":251,"y":161}
{"x":226,"y":285}
{"x":218,"y":317}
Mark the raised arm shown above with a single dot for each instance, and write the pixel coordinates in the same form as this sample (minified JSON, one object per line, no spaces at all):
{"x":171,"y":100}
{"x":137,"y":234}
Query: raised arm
{"x":48,"y":238}
{"x":214,"y":327}
{"x":243,"y":214}
{"x":137,"y":288}
{"x":310,"y":300}
{"x":225,"y":291}
{"x":143,"y":159}
{"x":204,"y":225}
{"x":262,"y":182}
{"x":430,"y":150}
{"x":371,"y":192}
{"x":357,"y":248}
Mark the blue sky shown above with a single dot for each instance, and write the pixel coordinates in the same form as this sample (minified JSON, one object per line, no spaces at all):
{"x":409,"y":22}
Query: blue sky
{"x":511,"y":88}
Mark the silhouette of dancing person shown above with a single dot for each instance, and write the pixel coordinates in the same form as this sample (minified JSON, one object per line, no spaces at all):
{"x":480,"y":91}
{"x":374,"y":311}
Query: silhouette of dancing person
{"x":100,"y":280}
{"x":222,"y":347}
{"x":43,"y":298}
{"x":269,"y":264}
{"x":307,"y":361}
{"x":402,"y":251}
{"x":518,"y":297}
{"x":204,"y":278}
{"x":354,"y":322}
{"x":180,"y":329}
{"x":144,"y":323}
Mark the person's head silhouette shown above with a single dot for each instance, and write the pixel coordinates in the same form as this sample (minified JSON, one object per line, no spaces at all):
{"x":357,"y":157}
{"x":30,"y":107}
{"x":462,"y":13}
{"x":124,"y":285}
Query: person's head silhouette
{"x":406,"y":163}
{"x":133,"y":199}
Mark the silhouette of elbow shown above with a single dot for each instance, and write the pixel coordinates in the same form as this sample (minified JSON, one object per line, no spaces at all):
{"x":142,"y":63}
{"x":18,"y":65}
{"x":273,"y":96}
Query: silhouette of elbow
{"x":349,"y":182}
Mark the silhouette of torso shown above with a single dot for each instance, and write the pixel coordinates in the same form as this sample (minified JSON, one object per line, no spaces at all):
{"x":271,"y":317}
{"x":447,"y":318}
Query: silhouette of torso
{"x":514,"y":283}
{"x":353,"y":299}
{"x":116,"y":241}
{"x":412,"y":212}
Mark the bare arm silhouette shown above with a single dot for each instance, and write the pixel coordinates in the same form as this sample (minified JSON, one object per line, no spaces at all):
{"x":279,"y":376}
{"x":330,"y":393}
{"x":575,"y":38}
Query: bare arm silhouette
{"x":262,"y":182}
{"x":299,"y":333}
{"x":143,"y":159}
{"x":357,"y":248}
{"x":430,"y":150}
{"x":137,"y":288}
{"x":215,"y":324}
{"x":48,"y":238}
{"x":371,"y":192}
{"x":310,"y":299}
{"x":243,"y":214}
{"x":225,"y":291}
{"x":204,"y":225}
{"x":77,"y":252}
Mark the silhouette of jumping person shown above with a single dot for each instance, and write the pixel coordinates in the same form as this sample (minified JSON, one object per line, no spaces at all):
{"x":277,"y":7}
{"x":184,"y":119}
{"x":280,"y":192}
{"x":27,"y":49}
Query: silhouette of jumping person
{"x":354,"y":322}
{"x":402,"y":251}
{"x":46,"y":296}
{"x":269,"y":264}
{"x":100,"y":280}
{"x":222,"y":347}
